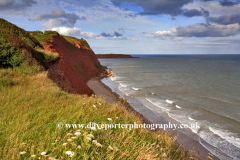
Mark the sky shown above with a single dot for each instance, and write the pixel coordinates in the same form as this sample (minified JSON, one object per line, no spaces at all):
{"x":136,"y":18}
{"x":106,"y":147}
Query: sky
{"x":135,"y":26}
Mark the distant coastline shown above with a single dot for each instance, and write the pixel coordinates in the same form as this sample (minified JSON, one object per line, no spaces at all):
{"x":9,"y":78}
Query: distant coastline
{"x":114,"y":56}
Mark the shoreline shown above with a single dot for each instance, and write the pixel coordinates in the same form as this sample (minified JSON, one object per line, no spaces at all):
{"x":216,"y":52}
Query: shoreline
{"x":147,"y":116}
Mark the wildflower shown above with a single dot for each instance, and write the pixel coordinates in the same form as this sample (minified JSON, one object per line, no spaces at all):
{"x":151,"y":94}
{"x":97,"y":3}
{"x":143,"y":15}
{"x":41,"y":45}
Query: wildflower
{"x":94,"y":142}
{"x":98,"y":144}
{"x":51,"y":158}
{"x":43,"y":153}
{"x":88,"y":138}
{"x":109,"y":119}
{"x":70,"y":153}
{"x":74,"y":137}
{"x":24,"y":143}
{"x":77,"y":133}
{"x":64,"y":144}
{"x":110,"y":147}
{"x":79,"y":130}
{"x":100,"y":104}
{"x":116,"y":148}
{"x":56,"y":140}
{"x":23,"y":152}
{"x":90,"y":135}
{"x":69,"y":140}
{"x":53,"y":143}
{"x":69,"y":134}
{"x":96,"y":152}
{"x":33,"y":155}
{"x":94,"y":106}
{"x":116,"y":117}
{"x":74,"y":144}
{"x":79,"y":147}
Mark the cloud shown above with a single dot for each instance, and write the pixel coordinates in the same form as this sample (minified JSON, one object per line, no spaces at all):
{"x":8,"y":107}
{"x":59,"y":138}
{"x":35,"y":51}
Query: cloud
{"x":225,"y":20}
{"x":228,"y":3}
{"x":113,"y":34}
{"x":16,"y":5}
{"x":195,"y":12}
{"x":77,"y":32}
{"x":156,"y":7}
{"x":57,"y":13}
{"x":199,"y":30}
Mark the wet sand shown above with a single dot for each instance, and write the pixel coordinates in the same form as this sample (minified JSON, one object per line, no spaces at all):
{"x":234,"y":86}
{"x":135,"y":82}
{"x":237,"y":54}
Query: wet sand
{"x":147,"y":116}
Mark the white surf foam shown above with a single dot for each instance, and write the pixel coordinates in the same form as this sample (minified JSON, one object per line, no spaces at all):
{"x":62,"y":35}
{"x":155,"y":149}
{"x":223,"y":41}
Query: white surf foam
{"x":122,"y":85}
{"x":165,"y":109}
{"x":226,"y":135}
{"x":136,"y":89}
{"x":178,"y":107}
{"x":168,"y":101}
{"x":191,"y":119}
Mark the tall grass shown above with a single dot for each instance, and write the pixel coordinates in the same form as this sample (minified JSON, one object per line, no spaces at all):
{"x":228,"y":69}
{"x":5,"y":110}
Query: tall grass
{"x":31,"y":105}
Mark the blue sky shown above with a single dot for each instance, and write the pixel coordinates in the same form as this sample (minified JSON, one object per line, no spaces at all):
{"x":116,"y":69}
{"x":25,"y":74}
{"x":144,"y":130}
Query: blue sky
{"x":135,"y":26}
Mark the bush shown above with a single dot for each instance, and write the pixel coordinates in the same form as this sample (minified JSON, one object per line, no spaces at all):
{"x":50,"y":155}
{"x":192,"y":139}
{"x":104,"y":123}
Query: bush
{"x":10,"y":56}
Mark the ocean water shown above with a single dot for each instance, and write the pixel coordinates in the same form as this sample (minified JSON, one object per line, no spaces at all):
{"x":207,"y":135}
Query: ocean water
{"x":186,"y":89}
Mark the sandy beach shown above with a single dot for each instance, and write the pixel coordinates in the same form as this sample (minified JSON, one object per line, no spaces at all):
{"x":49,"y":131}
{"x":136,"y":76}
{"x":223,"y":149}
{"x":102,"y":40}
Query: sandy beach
{"x":148,"y":117}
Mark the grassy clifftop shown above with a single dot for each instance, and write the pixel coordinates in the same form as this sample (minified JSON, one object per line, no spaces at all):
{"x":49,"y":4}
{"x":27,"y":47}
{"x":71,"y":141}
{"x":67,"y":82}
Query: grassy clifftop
{"x":31,"y":105}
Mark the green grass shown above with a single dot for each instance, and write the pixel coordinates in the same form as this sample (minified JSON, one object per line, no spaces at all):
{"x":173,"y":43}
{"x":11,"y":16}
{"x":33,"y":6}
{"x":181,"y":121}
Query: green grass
{"x":31,"y":105}
{"x":46,"y":54}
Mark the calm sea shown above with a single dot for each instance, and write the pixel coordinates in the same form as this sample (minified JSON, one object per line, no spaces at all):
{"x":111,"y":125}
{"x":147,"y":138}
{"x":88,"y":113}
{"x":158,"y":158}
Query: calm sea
{"x":203,"y":88}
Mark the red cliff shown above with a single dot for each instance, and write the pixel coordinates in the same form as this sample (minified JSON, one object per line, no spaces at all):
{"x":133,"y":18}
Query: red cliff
{"x":77,"y":63}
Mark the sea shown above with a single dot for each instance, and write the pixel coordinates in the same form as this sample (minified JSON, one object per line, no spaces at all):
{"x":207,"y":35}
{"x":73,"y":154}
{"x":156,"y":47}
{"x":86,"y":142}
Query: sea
{"x":186,"y":89}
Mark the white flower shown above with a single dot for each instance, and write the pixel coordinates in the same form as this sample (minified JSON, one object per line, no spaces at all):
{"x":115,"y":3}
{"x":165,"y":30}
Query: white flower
{"x":77,"y":133}
{"x":56,"y":140}
{"x":116,"y":117}
{"x":83,"y":103}
{"x":74,"y":137}
{"x":110,"y":147}
{"x":43,"y":153}
{"x":24,"y":143}
{"x":94,"y":142}
{"x":69,"y":134}
{"x":51,"y":158}
{"x":70,"y":153}
{"x":79,"y":147}
{"x":69,"y":140}
{"x":100,"y":104}
{"x":98,"y":144}
{"x":23,"y":152}
{"x":53,"y":143}
{"x":33,"y":155}
{"x":94,"y":106}
{"x":88,"y":138}
{"x":116,"y":148}
{"x":64,"y":144}
{"x":109,"y":119}
{"x":90,"y":135}
{"x":79,"y":130}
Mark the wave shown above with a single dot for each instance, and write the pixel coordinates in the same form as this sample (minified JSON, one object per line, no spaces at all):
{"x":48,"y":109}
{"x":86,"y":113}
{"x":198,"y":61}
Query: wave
{"x":228,"y":136}
{"x":165,"y":109}
{"x":170,"y":102}
{"x":122,"y":85}
{"x":191,"y":119}
{"x":136,"y":89}
{"x":178,"y":107}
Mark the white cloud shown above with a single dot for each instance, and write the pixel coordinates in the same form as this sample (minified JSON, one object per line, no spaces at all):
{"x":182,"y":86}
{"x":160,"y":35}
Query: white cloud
{"x":199,"y":30}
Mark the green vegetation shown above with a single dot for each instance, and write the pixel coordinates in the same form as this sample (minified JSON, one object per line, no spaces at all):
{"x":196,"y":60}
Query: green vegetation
{"x":46,"y":54}
{"x":98,"y":66}
{"x":31,"y":105}
{"x":14,"y":34}
{"x":10,"y":56}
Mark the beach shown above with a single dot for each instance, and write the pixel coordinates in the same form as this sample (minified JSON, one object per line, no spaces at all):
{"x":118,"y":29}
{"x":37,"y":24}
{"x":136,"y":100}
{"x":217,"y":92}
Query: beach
{"x":148,"y":117}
